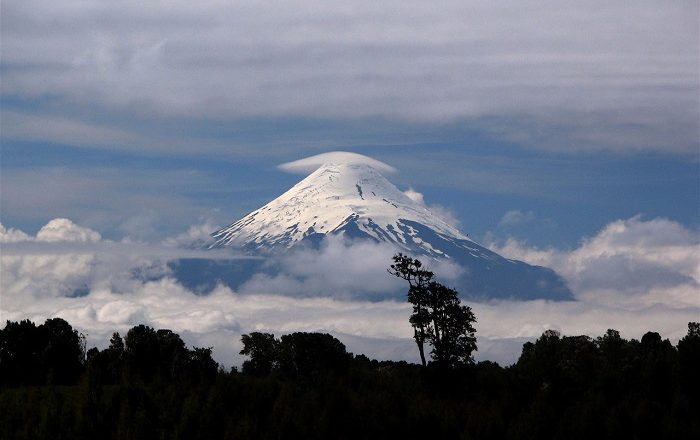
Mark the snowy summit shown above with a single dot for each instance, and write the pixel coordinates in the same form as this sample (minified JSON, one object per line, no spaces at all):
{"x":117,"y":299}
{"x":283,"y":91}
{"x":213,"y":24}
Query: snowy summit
{"x":351,"y":197}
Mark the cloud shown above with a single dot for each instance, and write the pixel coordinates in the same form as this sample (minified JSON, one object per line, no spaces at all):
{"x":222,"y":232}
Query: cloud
{"x":64,"y":260}
{"x":506,"y":320}
{"x":442,"y":212}
{"x":62,"y":229}
{"x":515,"y":217}
{"x":311,"y":164}
{"x":130,"y":200}
{"x":415,"y":196}
{"x":142,"y":225}
{"x":59,"y":129}
{"x":376,"y":328}
{"x":12,"y":235}
{"x":523,"y":221}
{"x":221,"y":315}
{"x":196,"y":236}
{"x":558,"y":76}
{"x":652,"y":260}
{"x":103,"y":286}
{"x":38,"y":280}
{"x":58,"y":229}
{"x":339,"y":268}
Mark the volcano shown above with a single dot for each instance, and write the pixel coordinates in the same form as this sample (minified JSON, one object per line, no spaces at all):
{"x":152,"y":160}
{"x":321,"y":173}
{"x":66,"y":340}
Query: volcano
{"x":355,"y":200}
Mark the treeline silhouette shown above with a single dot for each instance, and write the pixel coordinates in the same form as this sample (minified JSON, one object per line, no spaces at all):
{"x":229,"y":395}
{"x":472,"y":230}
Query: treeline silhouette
{"x":150,"y":385}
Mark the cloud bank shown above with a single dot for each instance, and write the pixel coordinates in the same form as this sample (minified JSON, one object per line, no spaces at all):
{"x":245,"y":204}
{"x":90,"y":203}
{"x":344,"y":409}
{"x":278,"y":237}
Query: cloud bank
{"x":340,"y":269}
{"x":565,"y":76}
{"x":635,"y":275}
{"x":634,"y":261}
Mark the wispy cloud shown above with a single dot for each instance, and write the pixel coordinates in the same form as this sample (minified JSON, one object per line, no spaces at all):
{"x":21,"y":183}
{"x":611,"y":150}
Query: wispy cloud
{"x":557,"y":76}
{"x":515,"y":217}
{"x":442,"y":212}
{"x":134,"y":201}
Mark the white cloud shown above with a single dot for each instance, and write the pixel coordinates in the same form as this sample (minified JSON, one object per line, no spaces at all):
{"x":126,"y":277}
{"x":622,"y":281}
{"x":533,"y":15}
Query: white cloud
{"x":56,"y":230}
{"x":120,"y":312}
{"x":445,"y":213}
{"x":38,"y":281}
{"x":12,"y":235}
{"x":62,"y":229}
{"x":651,"y":259}
{"x":338,"y":269}
{"x":442,"y":212}
{"x":310,"y":164}
{"x":565,"y":75}
{"x":528,"y":319}
{"x":65,"y":259}
{"x":341,"y":269}
{"x":196,"y":236}
{"x":378,"y":329}
{"x":415,"y":196}
{"x":518,"y":250}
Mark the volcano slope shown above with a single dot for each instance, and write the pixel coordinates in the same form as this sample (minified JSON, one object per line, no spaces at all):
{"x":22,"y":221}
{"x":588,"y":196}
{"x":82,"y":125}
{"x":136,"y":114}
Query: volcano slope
{"x":355,"y":201}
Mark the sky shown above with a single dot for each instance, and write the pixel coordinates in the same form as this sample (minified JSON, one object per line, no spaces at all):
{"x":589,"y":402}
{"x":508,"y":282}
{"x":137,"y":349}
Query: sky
{"x":561,"y":133}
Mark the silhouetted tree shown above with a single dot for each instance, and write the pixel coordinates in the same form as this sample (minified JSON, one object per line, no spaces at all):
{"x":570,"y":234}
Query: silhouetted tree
{"x":201,"y":365}
{"x":154,"y":354}
{"x":612,"y":347}
{"x":299,"y":354}
{"x":689,"y":357}
{"x":106,"y":366}
{"x":658,"y":359}
{"x":452,"y":330}
{"x":21,"y":345}
{"x":116,"y":344}
{"x":537,"y":365}
{"x":411,"y":270}
{"x":31,"y":354}
{"x":311,"y":354}
{"x":438,"y":315}
{"x":141,"y":352}
{"x":616,"y":361}
{"x":570,"y":387}
{"x":173,"y":356}
{"x":262,"y":350}
{"x":64,"y":352}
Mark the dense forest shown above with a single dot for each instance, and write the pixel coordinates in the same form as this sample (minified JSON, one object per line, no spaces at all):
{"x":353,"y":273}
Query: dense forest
{"x":150,"y":385}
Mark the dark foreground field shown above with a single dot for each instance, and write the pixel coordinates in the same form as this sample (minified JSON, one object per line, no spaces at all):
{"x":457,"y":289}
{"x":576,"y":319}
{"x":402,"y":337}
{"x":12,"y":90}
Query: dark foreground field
{"x":149,"y":385}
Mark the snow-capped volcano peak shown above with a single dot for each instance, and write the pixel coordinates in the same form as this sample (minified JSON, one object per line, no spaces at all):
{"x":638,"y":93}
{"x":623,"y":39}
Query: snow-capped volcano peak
{"x":350,"y":198}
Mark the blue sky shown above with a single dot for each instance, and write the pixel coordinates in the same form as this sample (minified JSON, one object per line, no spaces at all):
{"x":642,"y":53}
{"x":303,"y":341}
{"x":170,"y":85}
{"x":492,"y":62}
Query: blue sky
{"x":560,"y":133}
